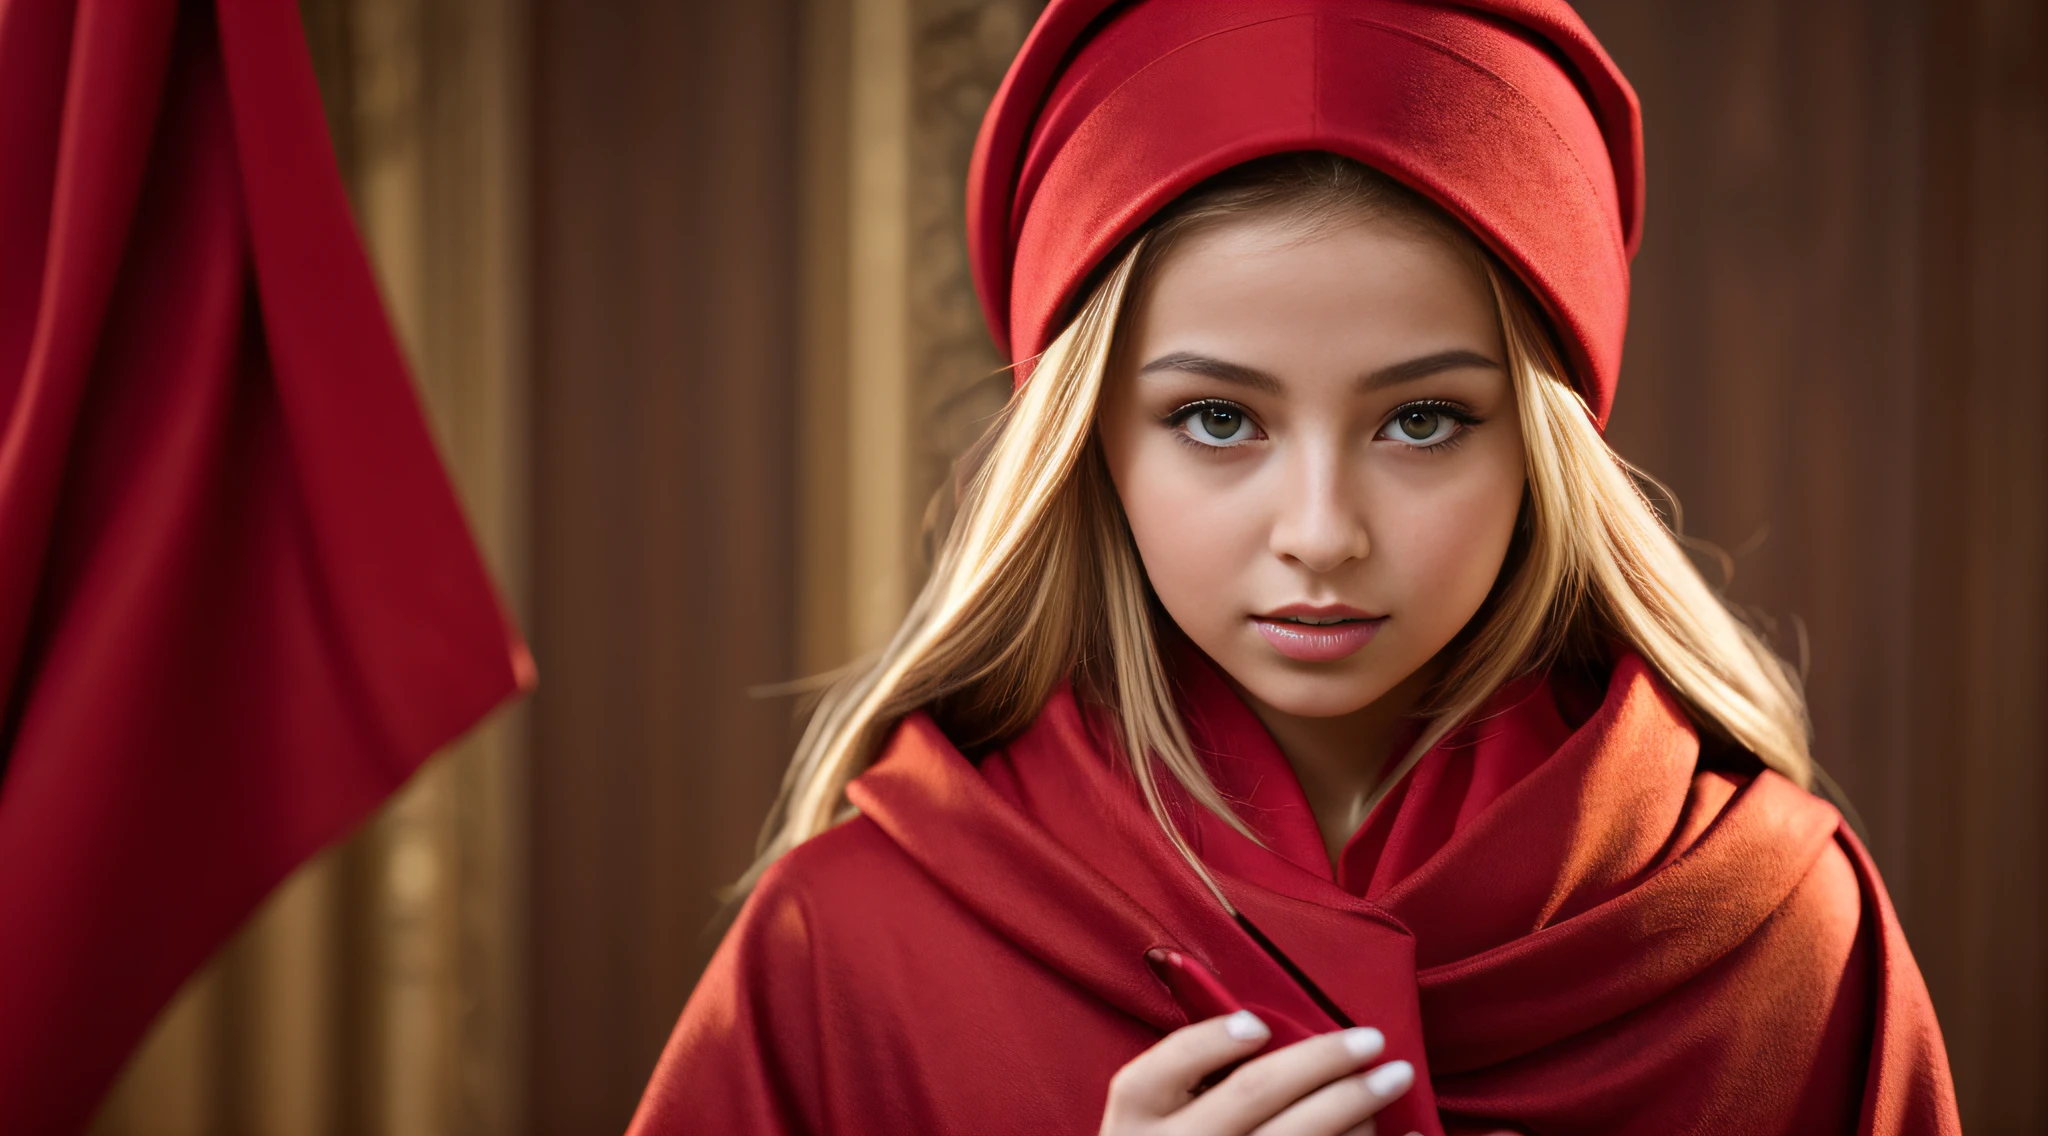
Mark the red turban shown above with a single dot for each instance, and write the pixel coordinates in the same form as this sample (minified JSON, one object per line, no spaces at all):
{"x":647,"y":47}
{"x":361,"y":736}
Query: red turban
{"x":1506,"y":113}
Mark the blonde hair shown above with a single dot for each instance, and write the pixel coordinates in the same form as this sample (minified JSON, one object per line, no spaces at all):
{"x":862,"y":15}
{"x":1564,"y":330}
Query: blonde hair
{"x":1038,"y":581}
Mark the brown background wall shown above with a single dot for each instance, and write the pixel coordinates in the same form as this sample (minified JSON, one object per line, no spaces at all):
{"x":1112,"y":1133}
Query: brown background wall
{"x":664,"y":277}
{"x":684,"y":283}
{"x":1838,"y":358}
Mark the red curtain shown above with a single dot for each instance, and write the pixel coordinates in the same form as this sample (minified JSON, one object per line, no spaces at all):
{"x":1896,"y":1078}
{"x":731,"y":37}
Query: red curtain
{"x":238,"y":601}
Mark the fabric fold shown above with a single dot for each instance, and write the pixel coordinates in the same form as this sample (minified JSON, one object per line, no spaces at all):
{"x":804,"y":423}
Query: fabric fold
{"x":1692,"y":945}
{"x":1506,"y":113}
{"x":239,"y":603}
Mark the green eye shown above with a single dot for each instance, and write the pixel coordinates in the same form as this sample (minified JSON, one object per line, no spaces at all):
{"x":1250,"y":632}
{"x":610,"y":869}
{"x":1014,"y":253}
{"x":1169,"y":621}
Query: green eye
{"x":1214,"y":424}
{"x":1420,"y":424}
{"x":1425,"y":425}
{"x":1220,"y":423}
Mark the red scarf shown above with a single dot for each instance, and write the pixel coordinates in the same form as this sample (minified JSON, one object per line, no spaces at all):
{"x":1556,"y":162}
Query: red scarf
{"x":1566,"y":918}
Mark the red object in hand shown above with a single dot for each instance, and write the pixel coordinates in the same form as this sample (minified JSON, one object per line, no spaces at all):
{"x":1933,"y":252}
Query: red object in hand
{"x":1199,"y":992}
{"x":1202,"y":996}
{"x":238,"y":601}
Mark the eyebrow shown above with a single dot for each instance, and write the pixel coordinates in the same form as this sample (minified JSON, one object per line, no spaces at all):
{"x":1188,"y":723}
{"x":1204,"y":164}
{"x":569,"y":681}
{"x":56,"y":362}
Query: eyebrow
{"x":1421,"y":367}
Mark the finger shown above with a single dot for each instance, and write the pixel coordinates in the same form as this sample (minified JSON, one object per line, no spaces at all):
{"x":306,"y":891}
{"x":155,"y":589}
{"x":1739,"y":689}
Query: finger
{"x":1162,"y":1079}
{"x":1342,"y":1103}
{"x":1265,"y":1087}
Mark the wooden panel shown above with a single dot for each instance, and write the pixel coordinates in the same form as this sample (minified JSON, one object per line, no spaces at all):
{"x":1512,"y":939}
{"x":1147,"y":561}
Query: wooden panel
{"x":1978,"y":864}
{"x":1836,"y":359}
{"x":665,"y":210}
{"x":1770,"y":368}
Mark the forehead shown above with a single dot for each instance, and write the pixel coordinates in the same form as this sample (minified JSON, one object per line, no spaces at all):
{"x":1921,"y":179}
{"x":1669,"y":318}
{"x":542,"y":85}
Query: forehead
{"x":1362,"y":291}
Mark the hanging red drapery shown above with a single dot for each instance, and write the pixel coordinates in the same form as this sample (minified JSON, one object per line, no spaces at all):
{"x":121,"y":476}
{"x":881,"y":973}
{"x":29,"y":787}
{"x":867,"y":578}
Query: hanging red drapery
{"x":238,"y":601}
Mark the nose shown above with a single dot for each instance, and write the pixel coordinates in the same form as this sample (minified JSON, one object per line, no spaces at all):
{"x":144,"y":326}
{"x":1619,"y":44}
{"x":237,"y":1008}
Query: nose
{"x":1317,"y":523}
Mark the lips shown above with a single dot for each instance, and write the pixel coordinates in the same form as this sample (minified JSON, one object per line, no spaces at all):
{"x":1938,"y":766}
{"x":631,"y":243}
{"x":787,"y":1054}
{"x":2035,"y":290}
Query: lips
{"x":1318,"y":634}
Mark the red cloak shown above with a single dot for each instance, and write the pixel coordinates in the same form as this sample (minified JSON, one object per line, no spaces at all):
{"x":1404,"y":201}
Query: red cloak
{"x":1568,"y":918}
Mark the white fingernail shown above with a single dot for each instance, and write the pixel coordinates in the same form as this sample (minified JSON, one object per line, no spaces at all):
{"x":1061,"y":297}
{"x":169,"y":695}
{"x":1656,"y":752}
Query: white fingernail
{"x":1393,"y":1077}
{"x":1246,"y":1026}
{"x":1364,"y":1042}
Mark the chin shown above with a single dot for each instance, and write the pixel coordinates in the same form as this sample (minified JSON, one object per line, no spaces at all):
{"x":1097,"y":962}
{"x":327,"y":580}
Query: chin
{"x":1324,"y":692}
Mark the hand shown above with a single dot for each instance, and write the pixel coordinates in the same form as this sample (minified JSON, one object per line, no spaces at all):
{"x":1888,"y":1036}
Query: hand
{"x":1310,"y":1088}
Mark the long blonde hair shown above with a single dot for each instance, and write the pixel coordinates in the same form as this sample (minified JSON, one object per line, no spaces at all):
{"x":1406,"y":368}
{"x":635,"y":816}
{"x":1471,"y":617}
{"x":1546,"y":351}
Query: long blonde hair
{"x":1038,"y":580}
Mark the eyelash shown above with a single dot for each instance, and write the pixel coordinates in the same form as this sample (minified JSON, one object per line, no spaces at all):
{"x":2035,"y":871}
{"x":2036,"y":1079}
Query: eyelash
{"x":1177,"y":420}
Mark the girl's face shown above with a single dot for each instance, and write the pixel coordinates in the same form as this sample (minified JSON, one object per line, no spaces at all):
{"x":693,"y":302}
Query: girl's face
{"x":1316,"y":444}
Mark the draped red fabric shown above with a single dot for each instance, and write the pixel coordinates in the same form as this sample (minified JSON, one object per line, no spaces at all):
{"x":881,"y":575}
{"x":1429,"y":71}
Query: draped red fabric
{"x":1570,"y":917}
{"x":238,"y":600}
{"x":1505,"y":112}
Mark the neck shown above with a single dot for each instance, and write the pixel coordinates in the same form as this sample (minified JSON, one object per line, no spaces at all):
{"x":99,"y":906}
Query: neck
{"x":1341,"y":760}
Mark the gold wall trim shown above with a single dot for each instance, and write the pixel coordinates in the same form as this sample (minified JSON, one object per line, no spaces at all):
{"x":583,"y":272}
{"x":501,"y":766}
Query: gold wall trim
{"x":878,"y":330}
{"x":899,"y":372}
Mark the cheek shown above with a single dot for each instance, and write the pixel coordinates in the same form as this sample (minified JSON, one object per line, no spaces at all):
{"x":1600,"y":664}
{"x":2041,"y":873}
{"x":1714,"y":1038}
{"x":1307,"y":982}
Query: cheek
{"x":1441,"y":545}
{"x":1195,"y":535}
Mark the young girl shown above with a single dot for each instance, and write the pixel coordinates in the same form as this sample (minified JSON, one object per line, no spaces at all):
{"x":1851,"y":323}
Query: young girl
{"x":1308,"y":727}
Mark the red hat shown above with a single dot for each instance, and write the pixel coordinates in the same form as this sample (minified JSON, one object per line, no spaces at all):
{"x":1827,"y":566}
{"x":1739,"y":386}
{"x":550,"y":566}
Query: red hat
{"x":1507,"y":113}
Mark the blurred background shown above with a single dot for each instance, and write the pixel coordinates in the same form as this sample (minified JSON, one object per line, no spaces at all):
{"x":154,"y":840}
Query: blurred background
{"x":685,"y":287}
